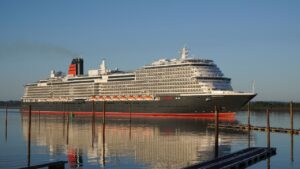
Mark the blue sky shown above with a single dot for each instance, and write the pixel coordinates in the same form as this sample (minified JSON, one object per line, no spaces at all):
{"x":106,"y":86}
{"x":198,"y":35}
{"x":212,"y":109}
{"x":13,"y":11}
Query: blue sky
{"x":249,"y":40}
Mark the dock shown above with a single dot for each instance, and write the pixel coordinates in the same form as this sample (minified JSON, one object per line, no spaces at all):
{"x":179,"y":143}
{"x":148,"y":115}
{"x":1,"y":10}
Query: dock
{"x":241,"y":159}
{"x":244,"y":127}
{"x":51,"y":165}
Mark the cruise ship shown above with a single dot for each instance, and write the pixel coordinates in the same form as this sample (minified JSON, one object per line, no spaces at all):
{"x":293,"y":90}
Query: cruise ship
{"x":186,"y":86}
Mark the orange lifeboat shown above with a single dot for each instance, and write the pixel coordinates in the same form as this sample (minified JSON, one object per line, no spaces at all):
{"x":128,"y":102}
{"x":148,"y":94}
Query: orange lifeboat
{"x":131,"y":98}
{"x":140,"y":97}
{"x":107,"y":98}
{"x":148,"y":97}
{"x":115,"y":98}
{"x":101,"y":98}
{"x":123,"y":98}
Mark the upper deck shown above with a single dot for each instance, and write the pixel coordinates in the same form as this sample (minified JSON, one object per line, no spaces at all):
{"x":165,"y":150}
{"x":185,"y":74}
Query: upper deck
{"x":183,"y":76}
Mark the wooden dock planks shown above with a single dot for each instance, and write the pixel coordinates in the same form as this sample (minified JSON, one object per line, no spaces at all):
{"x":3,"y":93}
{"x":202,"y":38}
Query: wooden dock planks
{"x":50,"y":165}
{"x":241,"y":159}
{"x":257,"y":128}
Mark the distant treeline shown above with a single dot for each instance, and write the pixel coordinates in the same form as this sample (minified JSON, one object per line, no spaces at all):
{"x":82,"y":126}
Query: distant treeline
{"x":277,"y":106}
{"x":11,"y":104}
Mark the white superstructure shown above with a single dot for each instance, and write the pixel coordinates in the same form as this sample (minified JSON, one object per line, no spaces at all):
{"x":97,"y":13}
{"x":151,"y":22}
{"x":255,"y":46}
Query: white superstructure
{"x":175,"y":77}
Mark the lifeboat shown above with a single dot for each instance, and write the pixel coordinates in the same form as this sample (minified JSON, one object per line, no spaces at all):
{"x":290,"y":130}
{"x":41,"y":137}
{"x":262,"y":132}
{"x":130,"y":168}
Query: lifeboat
{"x":96,"y":98}
{"x":100,"y":98}
{"x":115,"y":98}
{"x":123,"y":98}
{"x":107,"y":98}
{"x":140,"y":97}
{"x":93,"y":98}
{"x":131,"y":98}
{"x":148,"y":97}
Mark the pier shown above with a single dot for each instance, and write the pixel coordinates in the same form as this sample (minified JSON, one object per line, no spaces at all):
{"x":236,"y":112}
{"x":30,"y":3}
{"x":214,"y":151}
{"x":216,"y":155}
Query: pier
{"x":249,"y":127}
{"x":241,"y":159}
{"x":52,"y":165}
{"x":244,"y":127}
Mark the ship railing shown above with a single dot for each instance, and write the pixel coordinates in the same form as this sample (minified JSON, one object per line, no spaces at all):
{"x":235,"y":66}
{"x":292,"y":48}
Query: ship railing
{"x":123,"y":98}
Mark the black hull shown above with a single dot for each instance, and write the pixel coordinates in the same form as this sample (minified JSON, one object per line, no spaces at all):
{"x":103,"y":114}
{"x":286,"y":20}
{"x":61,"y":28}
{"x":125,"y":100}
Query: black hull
{"x":166,"y":105}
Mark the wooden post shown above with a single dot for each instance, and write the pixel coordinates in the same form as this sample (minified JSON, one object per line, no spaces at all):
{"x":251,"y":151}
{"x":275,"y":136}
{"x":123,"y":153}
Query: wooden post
{"x":130,"y":112}
{"x":292,"y":117}
{"x":29,"y":137}
{"x":39,"y":121}
{"x":103,"y":133}
{"x":268,"y":138}
{"x":216,"y":132}
{"x":292,"y":147}
{"x":269,"y":163}
{"x":6,"y":122}
{"x":103,"y":141}
{"x":130,"y":120}
{"x":249,"y":125}
{"x":292,"y":130}
{"x":64,"y":118}
{"x":68,"y":125}
{"x":93,"y":123}
{"x":268,"y":129}
{"x":249,"y":114}
{"x":103,"y":145}
{"x":104,"y":110}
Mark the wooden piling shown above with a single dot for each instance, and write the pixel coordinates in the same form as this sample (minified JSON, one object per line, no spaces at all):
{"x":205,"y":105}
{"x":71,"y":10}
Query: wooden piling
{"x":39,"y":121}
{"x":268,"y":163}
{"x":64,"y":118}
{"x":249,"y":116}
{"x":130,"y":120}
{"x":130,"y":112}
{"x":29,"y":137}
{"x":6,"y":110}
{"x":292,"y":147}
{"x":292,"y":117}
{"x":249,"y":126}
{"x":268,"y":138}
{"x":103,"y":143}
{"x":292,"y":130}
{"x":103,"y":133}
{"x":268,"y":128}
{"x":93,"y":123}
{"x":104,"y":111}
{"x":68,"y":125}
{"x":216,"y":132}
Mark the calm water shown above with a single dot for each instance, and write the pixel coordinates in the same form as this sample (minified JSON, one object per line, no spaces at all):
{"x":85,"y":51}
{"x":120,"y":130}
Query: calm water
{"x":149,"y":143}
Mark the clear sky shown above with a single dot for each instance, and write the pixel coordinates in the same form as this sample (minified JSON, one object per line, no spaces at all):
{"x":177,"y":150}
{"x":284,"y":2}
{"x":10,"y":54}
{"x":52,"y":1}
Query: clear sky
{"x":248,"y":39}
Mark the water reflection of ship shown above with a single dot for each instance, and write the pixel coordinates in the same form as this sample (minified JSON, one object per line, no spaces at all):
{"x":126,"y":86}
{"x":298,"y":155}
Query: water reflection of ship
{"x":159,"y":143}
{"x":75,"y":158}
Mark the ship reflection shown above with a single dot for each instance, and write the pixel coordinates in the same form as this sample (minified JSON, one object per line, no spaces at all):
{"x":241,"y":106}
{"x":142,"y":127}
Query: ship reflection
{"x":75,"y":157}
{"x":143,"y":142}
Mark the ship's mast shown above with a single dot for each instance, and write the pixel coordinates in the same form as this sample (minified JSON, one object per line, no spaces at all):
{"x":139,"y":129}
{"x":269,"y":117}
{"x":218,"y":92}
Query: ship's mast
{"x":253,"y":86}
{"x":184,"y":53}
{"x":103,"y":67}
